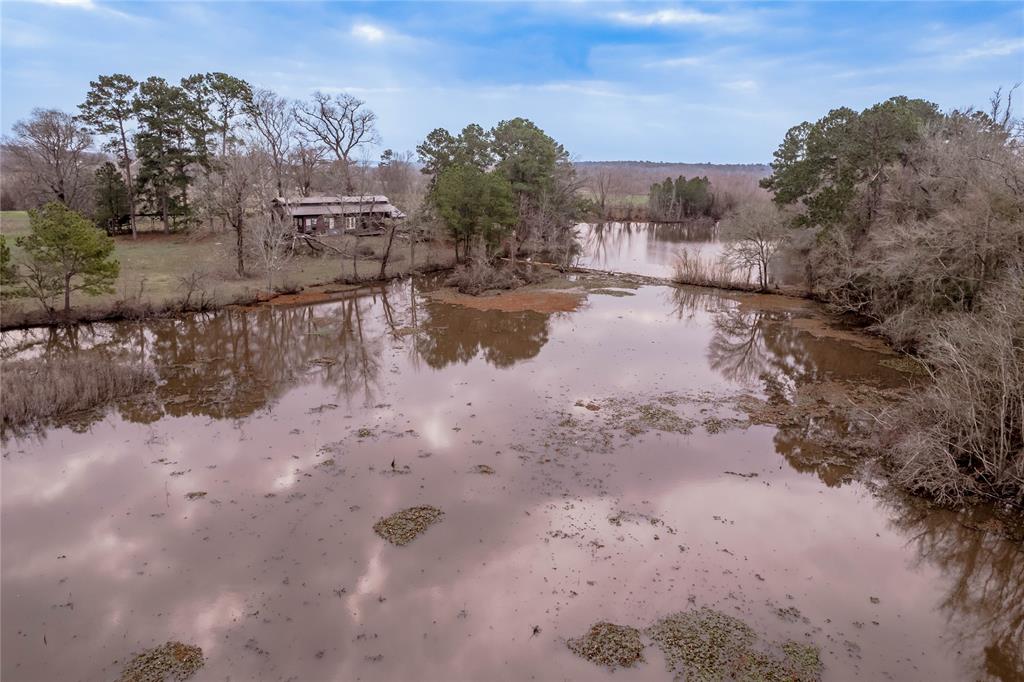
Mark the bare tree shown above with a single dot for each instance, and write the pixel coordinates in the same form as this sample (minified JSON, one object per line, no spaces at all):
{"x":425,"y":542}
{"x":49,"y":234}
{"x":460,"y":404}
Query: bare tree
{"x":603,"y":183}
{"x":272,"y":241}
{"x":274,"y":122}
{"x":304,"y":160}
{"x":398,"y":177}
{"x":753,"y":235}
{"x":340,"y":122}
{"x":238,"y":196}
{"x":51,"y":147}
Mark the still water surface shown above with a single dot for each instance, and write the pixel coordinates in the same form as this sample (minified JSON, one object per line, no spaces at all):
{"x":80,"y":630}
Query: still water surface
{"x":289,"y":419}
{"x":645,"y":248}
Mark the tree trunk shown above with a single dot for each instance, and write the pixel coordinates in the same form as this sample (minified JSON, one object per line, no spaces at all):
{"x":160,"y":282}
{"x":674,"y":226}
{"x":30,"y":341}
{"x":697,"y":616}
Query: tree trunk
{"x":165,"y":212}
{"x":67,"y":297}
{"x":387,"y":252}
{"x":355,"y":254}
{"x":239,"y":248}
{"x":128,"y":174}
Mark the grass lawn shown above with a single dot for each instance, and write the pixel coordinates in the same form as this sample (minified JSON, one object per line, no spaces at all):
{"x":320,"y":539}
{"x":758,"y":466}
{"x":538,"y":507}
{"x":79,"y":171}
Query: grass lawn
{"x":13,"y":223}
{"x":153,"y":265}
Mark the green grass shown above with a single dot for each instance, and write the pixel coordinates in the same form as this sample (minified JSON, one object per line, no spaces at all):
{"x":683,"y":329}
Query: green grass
{"x":13,"y":223}
{"x":152,"y":268}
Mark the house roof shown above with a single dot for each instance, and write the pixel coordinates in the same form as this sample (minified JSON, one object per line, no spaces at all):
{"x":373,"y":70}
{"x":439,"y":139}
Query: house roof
{"x":366,"y":204}
{"x":345,"y":210}
{"x":327,"y":200}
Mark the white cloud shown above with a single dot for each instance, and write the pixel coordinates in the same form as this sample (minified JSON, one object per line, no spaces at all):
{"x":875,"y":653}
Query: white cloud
{"x":84,"y":4}
{"x":991,"y":48}
{"x":369,"y":33}
{"x":91,"y":6}
{"x":677,"y":62}
{"x":743,"y":85}
{"x":667,"y":17}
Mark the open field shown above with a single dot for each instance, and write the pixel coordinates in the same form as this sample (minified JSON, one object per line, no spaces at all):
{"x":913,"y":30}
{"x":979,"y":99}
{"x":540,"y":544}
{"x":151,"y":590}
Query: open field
{"x":155,"y":268}
{"x":13,"y":223}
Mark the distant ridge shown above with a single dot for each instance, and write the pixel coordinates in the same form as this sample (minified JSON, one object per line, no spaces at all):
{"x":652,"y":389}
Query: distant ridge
{"x":681,"y":168}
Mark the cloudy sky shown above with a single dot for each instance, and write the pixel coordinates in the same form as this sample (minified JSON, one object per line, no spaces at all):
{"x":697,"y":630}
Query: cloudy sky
{"x":667,"y":82}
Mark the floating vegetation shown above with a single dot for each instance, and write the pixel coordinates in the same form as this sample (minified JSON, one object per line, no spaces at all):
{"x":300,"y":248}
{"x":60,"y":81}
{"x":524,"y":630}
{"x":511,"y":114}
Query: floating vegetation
{"x":402,"y":527}
{"x":483,"y":469}
{"x":611,"y":292}
{"x":659,"y":418}
{"x":607,"y":644}
{"x":714,"y":425}
{"x":620,"y":418}
{"x":708,"y":645}
{"x":618,"y":517}
{"x":197,"y":495}
{"x":170,"y":661}
{"x":905,"y":364}
{"x":364,"y":433}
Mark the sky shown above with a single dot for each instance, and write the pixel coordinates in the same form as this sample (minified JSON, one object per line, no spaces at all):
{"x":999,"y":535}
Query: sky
{"x":696,"y":82}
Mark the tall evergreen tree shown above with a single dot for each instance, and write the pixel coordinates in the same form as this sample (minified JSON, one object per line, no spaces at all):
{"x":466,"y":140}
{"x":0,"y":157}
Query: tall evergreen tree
{"x":109,"y":109}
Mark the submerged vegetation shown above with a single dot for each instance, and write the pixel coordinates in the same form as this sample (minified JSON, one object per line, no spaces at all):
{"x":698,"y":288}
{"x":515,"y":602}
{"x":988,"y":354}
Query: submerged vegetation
{"x":173,"y":661}
{"x":708,"y":645}
{"x":704,"y":645}
{"x":42,"y":389}
{"x":607,"y":644}
{"x":404,"y":526}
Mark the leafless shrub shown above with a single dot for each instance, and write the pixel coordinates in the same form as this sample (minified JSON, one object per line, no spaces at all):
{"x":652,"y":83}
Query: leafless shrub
{"x":691,"y":268}
{"x":754,"y":233}
{"x":195,"y":296}
{"x":964,"y":435}
{"x":45,"y":388}
{"x":288,"y":286}
{"x":480,"y":275}
{"x":272,"y":239}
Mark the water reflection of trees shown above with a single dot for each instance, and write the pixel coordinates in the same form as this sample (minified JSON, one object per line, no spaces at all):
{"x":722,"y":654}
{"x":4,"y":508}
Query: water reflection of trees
{"x":985,"y":572}
{"x":230,"y":363}
{"x":457,"y":334}
{"x":751,"y":346}
{"x":605,"y":242}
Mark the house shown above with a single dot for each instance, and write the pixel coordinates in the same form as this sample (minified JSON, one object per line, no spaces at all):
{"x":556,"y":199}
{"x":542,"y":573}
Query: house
{"x":317,"y":215}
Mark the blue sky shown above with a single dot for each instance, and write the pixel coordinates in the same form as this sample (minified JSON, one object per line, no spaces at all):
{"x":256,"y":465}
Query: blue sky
{"x":716,"y":82}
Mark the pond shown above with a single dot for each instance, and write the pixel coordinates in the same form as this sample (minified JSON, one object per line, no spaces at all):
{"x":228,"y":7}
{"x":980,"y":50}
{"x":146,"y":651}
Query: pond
{"x":645,"y":248}
{"x":591,"y":465}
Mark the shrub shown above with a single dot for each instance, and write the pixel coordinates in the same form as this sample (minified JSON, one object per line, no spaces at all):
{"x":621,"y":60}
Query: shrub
{"x":690,"y":268}
{"x":964,"y":434}
{"x":45,"y":388}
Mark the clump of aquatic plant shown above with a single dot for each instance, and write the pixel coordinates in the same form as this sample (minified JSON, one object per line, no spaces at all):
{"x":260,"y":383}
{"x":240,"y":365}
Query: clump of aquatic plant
{"x":404,"y":526}
{"x":607,"y":644}
{"x":170,"y":661}
{"x":706,"y":645}
{"x":662,"y":419}
{"x":41,"y":389}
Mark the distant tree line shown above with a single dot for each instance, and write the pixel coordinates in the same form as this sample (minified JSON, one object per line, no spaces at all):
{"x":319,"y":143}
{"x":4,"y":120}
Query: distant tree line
{"x":682,"y":199}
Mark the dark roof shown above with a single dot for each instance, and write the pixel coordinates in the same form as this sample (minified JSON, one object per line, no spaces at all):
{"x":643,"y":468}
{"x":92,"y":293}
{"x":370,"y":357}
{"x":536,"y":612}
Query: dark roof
{"x":339,"y":209}
{"x":327,"y":200}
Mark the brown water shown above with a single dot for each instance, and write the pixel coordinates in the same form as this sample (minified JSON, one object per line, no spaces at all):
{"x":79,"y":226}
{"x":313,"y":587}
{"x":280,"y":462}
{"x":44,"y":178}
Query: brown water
{"x":644,"y":248}
{"x":290,"y":418}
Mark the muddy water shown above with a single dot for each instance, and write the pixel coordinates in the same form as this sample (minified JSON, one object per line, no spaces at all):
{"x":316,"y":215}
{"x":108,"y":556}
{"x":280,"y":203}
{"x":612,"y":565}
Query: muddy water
{"x":644,"y":248}
{"x":305,"y":425}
